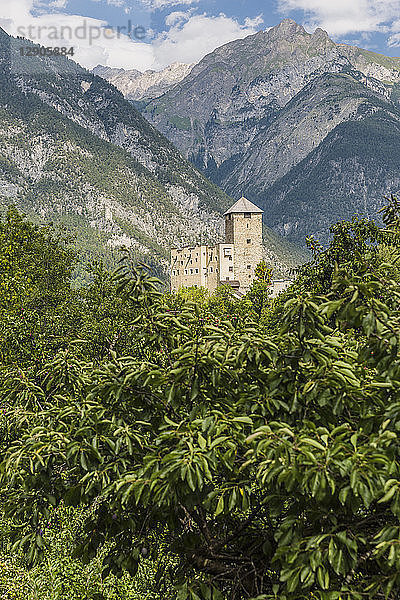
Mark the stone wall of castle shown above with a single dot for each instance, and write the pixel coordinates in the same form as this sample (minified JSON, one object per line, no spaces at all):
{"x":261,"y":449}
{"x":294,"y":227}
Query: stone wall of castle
{"x":188,"y":267}
{"x":202,"y":266}
{"x":244,"y":231}
{"x":233,"y":262}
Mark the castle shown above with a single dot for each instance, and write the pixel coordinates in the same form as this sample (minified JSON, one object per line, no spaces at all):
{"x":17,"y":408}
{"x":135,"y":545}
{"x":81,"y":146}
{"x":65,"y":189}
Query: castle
{"x":232,"y":262}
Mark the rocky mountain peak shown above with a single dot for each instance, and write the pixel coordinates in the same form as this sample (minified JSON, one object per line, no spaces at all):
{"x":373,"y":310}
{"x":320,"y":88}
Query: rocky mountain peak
{"x":286,"y":29}
{"x":150,"y":84}
{"x":105,"y":72}
{"x":321,"y":41}
{"x":253,"y":110}
{"x":320,"y":34}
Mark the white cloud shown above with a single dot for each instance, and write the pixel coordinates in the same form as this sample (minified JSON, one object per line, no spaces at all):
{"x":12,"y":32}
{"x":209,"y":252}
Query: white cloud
{"x":118,"y":3}
{"x":92,"y":41}
{"x":58,"y":3}
{"x":176,"y":17}
{"x":188,"y":37}
{"x":162,"y":4}
{"x":254,"y":23}
{"x":341,"y":17}
{"x":189,"y":40}
{"x":394,"y":38}
{"x":18,"y":9}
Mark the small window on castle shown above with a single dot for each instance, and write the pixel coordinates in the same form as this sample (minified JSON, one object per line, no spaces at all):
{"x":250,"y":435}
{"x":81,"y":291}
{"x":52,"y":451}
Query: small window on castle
{"x":177,"y":272}
{"x":249,"y":241}
{"x":227,"y":251}
{"x":196,"y":270}
{"x":173,"y":272}
{"x":216,"y":270}
{"x":211,"y":269}
{"x":181,"y":262}
{"x":230,"y":269}
{"x":230,"y":258}
{"x":249,"y":266}
{"x":247,"y":215}
{"x":186,"y":271}
{"x":191,"y":271}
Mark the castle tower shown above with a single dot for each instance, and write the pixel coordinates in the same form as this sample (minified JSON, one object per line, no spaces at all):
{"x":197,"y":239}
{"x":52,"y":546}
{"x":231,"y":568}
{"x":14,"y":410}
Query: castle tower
{"x":243,"y":229}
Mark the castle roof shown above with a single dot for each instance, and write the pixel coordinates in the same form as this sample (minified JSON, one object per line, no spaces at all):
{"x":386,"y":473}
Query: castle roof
{"x":244,"y":206}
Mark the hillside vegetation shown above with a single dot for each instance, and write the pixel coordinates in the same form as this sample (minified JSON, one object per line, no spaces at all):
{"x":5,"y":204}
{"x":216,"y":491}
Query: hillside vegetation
{"x":197,"y":447}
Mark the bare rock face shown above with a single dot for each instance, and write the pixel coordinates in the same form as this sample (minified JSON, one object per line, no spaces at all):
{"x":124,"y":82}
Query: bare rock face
{"x":253,"y":110}
{"x":151,"y":84}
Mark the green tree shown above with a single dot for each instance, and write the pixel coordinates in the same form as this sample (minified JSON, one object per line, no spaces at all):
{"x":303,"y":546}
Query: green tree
{"x":267,"y":463}
{"x":36,"y":264}
{"x":259,"y":293}
{"x":36,"y":270}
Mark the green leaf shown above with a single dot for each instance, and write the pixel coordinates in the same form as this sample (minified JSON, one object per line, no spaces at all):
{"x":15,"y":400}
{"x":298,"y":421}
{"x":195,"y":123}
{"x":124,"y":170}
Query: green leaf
{"x":220,"y":506}
{"x":389,"y":495}
{"x":245,"y":420}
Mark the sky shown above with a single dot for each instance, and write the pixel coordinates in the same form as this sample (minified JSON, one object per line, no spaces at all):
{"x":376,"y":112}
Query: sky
{"x":151,"y":34}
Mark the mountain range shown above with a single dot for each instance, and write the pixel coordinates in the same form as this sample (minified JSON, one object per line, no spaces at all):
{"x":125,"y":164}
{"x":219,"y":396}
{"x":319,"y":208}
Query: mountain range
{"x":306,"y":128}
{"x":138,"y":86}
{"x":75,"y":153}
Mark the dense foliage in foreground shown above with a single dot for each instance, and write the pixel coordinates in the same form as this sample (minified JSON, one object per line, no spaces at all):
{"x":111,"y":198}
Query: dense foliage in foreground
{"x":233,"y":449}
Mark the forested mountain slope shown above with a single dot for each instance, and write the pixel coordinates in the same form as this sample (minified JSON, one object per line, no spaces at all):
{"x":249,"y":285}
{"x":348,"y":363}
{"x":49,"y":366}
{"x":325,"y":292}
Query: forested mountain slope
{"x":75,"y":152}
